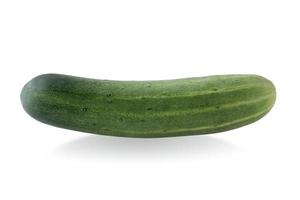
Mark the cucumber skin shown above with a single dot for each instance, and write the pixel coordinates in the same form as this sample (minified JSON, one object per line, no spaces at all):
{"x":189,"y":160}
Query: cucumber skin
{"x":144,"y":109}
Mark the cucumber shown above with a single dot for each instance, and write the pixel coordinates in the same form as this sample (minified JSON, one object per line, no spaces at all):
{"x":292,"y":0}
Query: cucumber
{"x":164,"y":108}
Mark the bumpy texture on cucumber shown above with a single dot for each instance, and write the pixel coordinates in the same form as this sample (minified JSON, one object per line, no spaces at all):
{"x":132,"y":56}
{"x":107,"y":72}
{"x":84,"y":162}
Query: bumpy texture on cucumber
{"x":164,"y":108}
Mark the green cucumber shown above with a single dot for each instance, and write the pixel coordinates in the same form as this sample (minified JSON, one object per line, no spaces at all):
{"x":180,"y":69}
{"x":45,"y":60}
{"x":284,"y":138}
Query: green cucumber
{"x":163,"y":108}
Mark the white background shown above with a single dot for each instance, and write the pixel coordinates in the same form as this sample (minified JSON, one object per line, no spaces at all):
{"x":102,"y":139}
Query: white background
{"x":146,"y":40}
